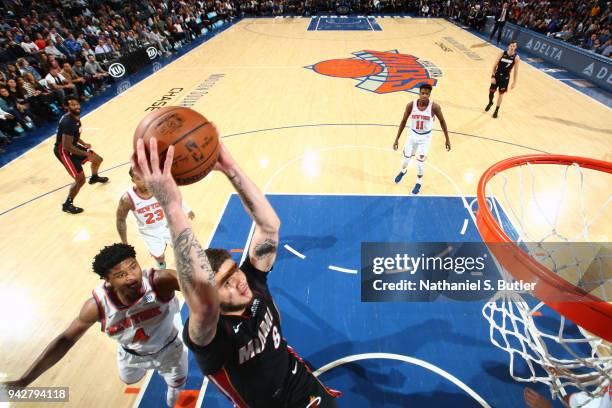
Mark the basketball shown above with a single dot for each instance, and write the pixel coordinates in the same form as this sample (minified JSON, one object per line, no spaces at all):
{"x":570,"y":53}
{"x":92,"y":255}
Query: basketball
{"x":195,"y":141}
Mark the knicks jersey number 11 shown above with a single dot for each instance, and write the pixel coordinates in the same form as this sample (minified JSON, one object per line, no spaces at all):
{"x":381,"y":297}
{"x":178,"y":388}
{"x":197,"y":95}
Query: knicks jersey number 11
{"x":421,"y":121}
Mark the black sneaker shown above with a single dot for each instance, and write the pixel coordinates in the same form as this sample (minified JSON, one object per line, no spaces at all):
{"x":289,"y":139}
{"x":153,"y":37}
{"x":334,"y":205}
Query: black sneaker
{"x":495,"y":114}
{"x":70,"y":208}
{"x":97,"y":179}
{"x":488,"y":106}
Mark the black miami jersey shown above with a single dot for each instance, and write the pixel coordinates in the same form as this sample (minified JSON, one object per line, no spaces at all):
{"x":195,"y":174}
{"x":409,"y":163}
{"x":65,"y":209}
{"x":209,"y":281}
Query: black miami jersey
{"x":68,"y":126}
{"x":249,"y":360}
{"x":505,"y":65}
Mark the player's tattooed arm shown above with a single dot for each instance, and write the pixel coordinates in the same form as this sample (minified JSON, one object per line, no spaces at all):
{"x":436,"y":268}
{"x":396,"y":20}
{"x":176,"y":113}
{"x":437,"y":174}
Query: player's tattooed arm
{"x":265,"y":236}
{"x":194,"y":271}
{"x":197,"y":281}
{"x":265,"y":249}
{"x":162,"y":195}
{"x":262,"y":252}
{"x":189,"y":255}
{"x":238,"y":182}
{"x":123,"y":209}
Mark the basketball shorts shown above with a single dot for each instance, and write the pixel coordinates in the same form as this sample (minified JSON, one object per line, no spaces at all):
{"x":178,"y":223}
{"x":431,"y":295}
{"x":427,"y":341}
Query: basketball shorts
{"x":171,"y":363}
{"x":303,"y":389}
{"x":501,"y":83}
{"x":72,"y":163}
{"x":417,"y":145}
{"x":156,"y":240}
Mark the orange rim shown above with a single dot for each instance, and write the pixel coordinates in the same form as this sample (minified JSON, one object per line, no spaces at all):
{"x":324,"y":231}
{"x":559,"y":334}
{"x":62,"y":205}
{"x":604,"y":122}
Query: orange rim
{"x":584,"y":309}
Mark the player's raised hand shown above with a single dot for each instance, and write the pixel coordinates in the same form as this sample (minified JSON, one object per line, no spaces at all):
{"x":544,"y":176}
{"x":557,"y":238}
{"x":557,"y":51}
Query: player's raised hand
{"x":159,"y":181}
{"x":225,"y":162}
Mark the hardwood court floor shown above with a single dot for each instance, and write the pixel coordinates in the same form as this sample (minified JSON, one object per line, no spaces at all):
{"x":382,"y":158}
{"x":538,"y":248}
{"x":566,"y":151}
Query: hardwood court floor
{"x":292,"y":130}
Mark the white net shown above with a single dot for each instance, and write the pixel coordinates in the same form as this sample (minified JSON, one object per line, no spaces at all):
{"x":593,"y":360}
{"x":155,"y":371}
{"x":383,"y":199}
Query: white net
{"x":560,"y":215}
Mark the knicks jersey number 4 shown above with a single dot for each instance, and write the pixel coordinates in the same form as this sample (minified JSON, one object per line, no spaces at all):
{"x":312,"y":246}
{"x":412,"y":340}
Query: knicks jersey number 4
{"x":145,"y":326}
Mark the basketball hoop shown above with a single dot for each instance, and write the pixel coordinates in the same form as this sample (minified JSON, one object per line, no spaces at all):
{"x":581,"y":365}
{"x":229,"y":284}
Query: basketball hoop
{"x":566,"y":357}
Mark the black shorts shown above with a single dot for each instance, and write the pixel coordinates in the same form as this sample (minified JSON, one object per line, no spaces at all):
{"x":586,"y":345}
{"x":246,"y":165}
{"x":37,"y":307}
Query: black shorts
{"x":304,"y":390}
{"x":72,"y":163}
{"x":501,"y":83}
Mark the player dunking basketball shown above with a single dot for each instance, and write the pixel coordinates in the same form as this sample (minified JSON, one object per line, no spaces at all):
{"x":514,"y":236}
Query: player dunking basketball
{"x":136,"y":308}
{"x":72,"y":152}
{"x":152,"y":223}
{"x":421,"y":115}
{"x":507,"y":62}
{"x":234,"y":326}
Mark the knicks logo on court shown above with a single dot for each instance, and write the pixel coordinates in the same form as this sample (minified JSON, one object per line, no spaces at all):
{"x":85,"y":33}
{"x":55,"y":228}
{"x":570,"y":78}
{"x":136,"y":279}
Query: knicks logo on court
{"x":381,"y":71}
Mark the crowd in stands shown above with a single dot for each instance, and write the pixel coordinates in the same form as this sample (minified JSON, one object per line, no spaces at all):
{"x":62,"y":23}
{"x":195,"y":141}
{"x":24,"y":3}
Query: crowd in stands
{"x":50,"y":49}
{"x":53,"y":49}
{"x":583,"y":23}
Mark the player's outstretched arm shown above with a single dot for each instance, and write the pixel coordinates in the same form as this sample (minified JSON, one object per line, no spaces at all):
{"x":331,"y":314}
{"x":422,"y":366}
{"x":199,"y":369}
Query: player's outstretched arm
{"x":195,"y":275}
{"x":437,"y":110}
{"x":264,"y":243}
{"x":402,"y":125}
{"x":58,"y":348}
{"x":123,"y":209}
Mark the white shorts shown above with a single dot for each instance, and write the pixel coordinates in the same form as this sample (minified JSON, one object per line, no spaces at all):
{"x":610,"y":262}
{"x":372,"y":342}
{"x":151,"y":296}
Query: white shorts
{"x":417,"y":145}
{"x":582,"y":400}
{"x":171,"y":363}
{"x":156,"y":240}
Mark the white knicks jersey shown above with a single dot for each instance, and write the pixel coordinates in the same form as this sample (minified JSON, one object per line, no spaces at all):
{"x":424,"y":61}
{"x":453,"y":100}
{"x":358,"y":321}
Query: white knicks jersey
{"x":145,"y":326}
{"x":421,"y":121}
{"x":148,"y":212}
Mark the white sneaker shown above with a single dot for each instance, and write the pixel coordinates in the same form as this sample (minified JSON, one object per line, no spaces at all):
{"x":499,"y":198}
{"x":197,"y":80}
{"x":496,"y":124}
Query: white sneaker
{"x":172,"y":396}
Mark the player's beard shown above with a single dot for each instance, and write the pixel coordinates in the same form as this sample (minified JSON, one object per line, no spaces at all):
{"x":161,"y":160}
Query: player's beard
{"x":236,"y":307}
